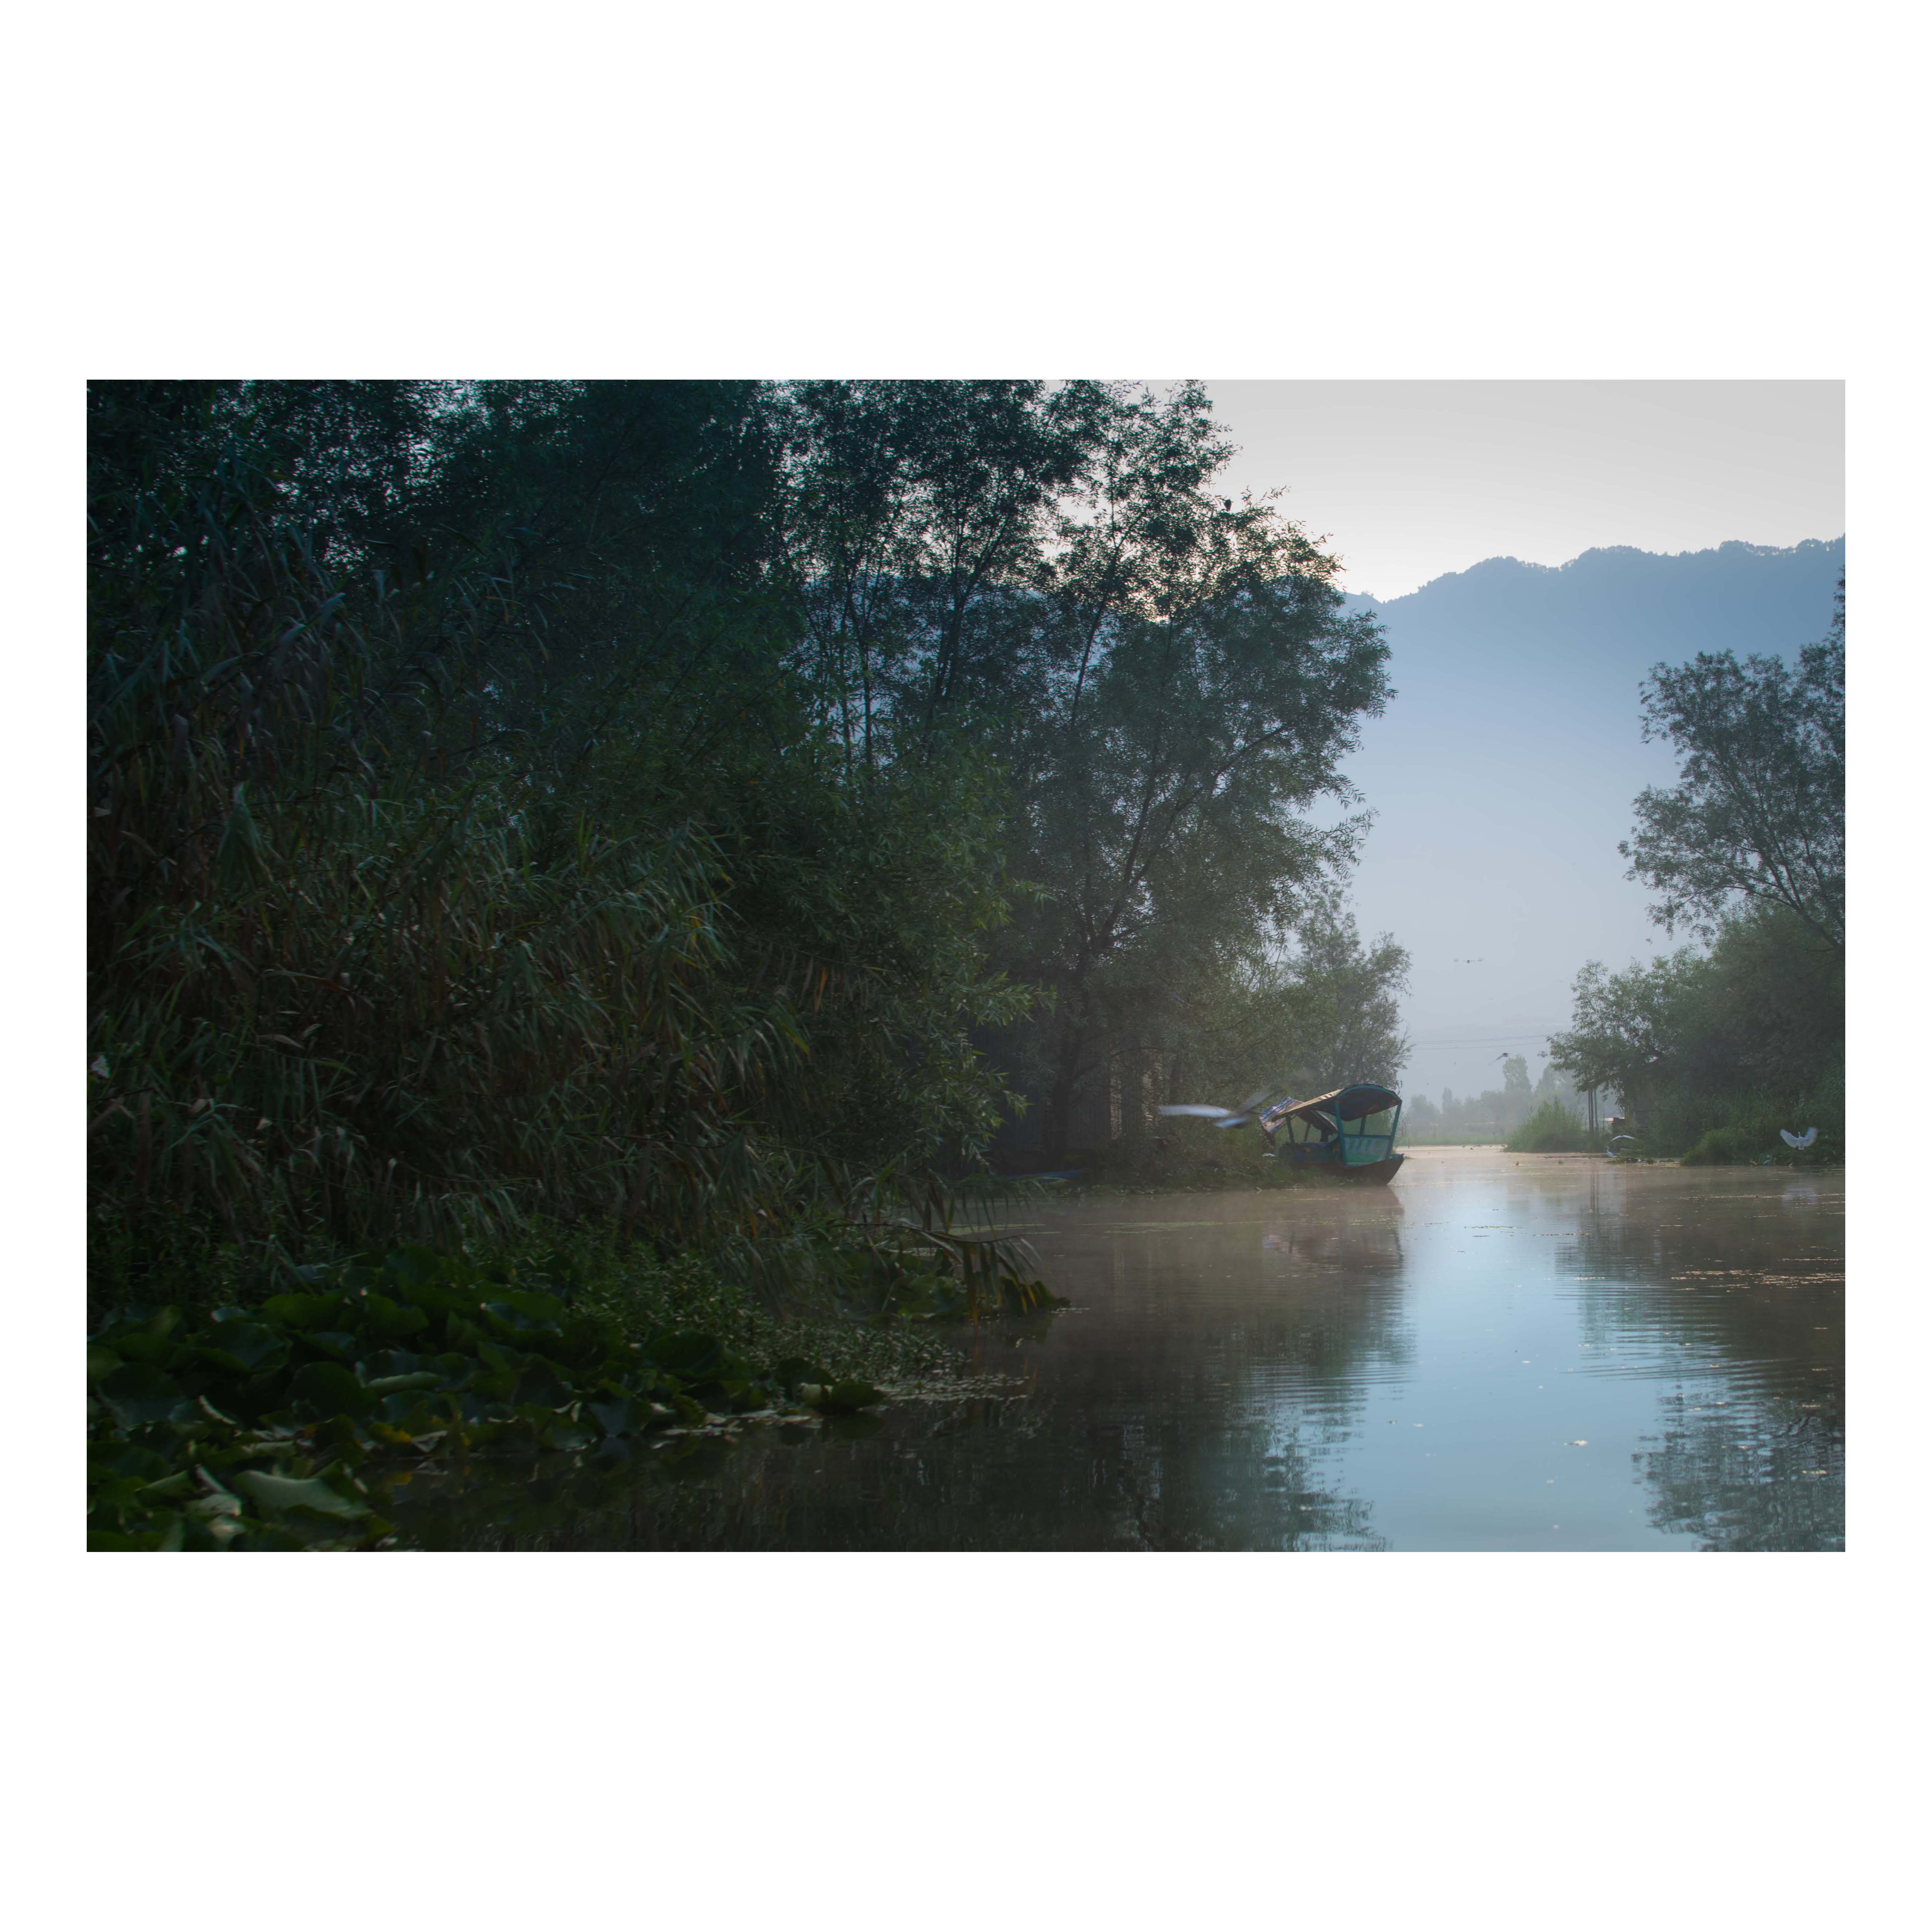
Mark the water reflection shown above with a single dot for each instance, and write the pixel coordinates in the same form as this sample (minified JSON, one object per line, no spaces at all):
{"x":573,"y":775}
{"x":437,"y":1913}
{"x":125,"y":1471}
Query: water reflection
{"x":1493,"y":1354}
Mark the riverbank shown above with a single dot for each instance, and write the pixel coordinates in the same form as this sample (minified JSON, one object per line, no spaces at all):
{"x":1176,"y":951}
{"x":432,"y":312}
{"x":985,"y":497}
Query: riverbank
{"x":294,"y":1422}
{"x":1497,"y":1352}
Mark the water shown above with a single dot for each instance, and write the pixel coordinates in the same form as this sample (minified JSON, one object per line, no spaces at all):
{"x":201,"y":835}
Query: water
{"x":1496,"y":1352}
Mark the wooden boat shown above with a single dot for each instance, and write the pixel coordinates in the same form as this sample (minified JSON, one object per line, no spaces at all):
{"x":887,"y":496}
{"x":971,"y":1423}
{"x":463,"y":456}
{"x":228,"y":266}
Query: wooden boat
{"x":1349,"y":1135}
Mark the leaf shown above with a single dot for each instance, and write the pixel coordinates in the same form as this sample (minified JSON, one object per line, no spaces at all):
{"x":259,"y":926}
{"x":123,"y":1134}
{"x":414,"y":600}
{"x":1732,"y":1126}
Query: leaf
{"x":423,"y":1378}
{"x":301,"y":1311}
{"x":137,"y":1394}
{"x":392,"y":1319}
{"x":279,"y":1494}
{"x":688,"y":1355}
{"x":388,"y":1362}
{"x":840,"y":1398}
{"x":336,"y":1341}
{"x":327,"y":1388}
{"x":247,"y":1347}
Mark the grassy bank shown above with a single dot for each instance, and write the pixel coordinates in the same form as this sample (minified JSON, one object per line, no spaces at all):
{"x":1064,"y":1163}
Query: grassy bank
{"x":283,"y":1423}
{"x":1703,"y":1131}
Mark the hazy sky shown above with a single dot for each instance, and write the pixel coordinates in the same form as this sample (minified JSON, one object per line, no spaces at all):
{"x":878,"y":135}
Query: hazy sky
{"x":1502,"y":774}
{"x":1412,"y":479}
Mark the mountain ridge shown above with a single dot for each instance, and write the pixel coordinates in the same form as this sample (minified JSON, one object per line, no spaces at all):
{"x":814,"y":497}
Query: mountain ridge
{"x":1733,"y":551}
{"x":1501,"y":774}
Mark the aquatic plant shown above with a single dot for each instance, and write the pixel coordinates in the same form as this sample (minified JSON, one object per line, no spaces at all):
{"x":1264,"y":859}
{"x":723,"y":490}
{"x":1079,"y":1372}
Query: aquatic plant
{"x":276,"y":1426}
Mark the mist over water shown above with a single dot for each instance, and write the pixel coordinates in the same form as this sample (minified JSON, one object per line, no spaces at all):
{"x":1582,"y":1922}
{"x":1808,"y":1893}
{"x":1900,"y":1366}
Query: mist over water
{"x":1494,"y":1353}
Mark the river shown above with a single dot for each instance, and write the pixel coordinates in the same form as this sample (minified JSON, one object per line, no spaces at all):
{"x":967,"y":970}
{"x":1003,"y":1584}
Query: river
{"x":1496,"y":1352}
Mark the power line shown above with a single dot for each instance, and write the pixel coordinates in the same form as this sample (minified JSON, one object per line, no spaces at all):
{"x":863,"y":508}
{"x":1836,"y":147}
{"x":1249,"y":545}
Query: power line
{"x":1496,"y":1040}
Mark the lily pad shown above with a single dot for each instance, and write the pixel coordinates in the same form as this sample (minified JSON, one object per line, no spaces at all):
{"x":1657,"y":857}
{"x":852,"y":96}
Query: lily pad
{"x":276,"y":1494}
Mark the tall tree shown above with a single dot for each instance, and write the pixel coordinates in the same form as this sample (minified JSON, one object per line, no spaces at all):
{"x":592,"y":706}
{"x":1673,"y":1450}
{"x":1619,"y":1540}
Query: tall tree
{"x":1758,"y":815}
{"x":1198,"y":687}
{"x":1165,"y":675}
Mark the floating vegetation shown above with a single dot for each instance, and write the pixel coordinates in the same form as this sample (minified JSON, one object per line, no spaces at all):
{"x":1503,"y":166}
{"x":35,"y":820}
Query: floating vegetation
{"x":282,"y":1425}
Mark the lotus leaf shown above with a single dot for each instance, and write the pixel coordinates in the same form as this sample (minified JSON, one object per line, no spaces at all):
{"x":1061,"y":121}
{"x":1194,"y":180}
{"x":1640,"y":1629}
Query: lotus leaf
{"x":389,"y":1385}
{"x":335,"y":1342}
{"x":136,"y":1394}
{"x":327,"y":1388}
{"x":279,"y":1494}
{"x":248,"y":1348}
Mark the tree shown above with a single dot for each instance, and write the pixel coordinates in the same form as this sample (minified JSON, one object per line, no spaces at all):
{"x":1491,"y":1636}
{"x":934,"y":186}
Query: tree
{"x":1195,"y":687}
{"x":464,"y":843}
{"x":1351,"y":1024}
{"x":919,"y":512}
{"x":1166,"y":676}
{"x":1758,"y":816}
{"x":1301,"y":1021}
{"x":1627,"y":1027}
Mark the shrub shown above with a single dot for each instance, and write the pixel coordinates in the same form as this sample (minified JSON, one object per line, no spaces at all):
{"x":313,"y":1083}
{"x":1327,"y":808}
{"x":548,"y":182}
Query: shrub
{"x":1551,"y":1128}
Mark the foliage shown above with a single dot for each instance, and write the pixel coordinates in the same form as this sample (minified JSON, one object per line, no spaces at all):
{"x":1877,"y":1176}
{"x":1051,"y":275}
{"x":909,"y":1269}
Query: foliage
{"x":1712,"y":1052}
{"x":279,"y":1425}
{"x":1165,"y":677}
{"x":1303,"y":1021}
{"x":416,"y":909}
{"x":273,"y":1410}
{"x":1205,"y":684}
{"x":1729,"y":1129}
{"x":1552,"y":1129}
{"x":1758,"y":1021}
{"x":1758,"y":816}
{"x":623,"y":814}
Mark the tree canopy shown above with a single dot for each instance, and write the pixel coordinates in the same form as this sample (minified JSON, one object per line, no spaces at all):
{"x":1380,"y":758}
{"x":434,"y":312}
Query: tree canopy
{"x":1758,"y":815}
{"x":674,"y":803}
{"x":1717,"y":1047}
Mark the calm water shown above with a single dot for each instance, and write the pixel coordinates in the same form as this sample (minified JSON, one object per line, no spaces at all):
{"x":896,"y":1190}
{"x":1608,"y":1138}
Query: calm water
{"x":1496,"y":1353}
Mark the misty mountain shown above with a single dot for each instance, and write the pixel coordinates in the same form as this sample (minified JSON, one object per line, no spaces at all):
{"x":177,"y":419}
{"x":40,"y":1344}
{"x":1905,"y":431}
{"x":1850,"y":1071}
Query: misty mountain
{"x":1502,"y":774}
{"x":1623,"y":609}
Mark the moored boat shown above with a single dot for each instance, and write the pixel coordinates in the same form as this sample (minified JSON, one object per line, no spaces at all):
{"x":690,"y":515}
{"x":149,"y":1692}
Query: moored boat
{"x":1348,"y":1134}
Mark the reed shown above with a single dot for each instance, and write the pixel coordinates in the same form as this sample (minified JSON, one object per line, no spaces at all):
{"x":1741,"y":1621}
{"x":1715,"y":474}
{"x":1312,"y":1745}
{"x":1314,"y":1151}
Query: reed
{"x":372,"y":959}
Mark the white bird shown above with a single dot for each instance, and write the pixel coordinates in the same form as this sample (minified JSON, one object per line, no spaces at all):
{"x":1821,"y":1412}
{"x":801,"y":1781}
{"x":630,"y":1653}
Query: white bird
{"x":1803,"y":1140}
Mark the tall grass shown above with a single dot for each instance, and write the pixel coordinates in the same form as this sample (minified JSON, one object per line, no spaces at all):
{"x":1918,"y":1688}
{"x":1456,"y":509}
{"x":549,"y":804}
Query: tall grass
{"x":352,"y":976}
{"x":364,"y":967}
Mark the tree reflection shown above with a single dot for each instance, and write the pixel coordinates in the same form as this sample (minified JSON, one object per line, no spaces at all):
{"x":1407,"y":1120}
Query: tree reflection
{"x":1137,"y":1431}
{"x":1740,"y":1289}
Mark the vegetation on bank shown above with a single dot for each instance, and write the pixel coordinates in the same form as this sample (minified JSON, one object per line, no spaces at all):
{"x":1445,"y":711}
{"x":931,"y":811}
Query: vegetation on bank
{"x":668,"y":816}
{"x":282,"y":1424}
{"x":1715,"y":1048}
{"x":1488,"y":1118}
{"x":1554,"y":1128}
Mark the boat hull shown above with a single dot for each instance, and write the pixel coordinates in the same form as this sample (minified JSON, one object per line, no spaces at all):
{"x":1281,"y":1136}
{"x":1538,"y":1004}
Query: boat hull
{"x":1372,"y":1174}
{"x":1369,"y":1174}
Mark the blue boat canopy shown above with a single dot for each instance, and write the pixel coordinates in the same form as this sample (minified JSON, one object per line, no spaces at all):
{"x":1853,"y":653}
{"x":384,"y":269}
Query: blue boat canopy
{"x":1344,"y":1103}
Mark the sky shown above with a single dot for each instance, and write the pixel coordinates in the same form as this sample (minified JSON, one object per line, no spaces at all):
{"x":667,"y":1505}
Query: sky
{"x":1412,"y":479}
{"x":1502,"y":775}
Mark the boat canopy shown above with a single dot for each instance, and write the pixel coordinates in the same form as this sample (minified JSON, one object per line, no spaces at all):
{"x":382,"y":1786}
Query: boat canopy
{"x":1344,"y":1103}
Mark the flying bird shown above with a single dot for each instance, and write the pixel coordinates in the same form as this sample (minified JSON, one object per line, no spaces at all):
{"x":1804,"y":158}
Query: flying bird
{"x":1804,"y":1140}
{"x":1222,"y":1117}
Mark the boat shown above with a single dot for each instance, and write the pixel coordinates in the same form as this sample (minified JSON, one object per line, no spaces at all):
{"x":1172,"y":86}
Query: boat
{"x":1349,"y":1135}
